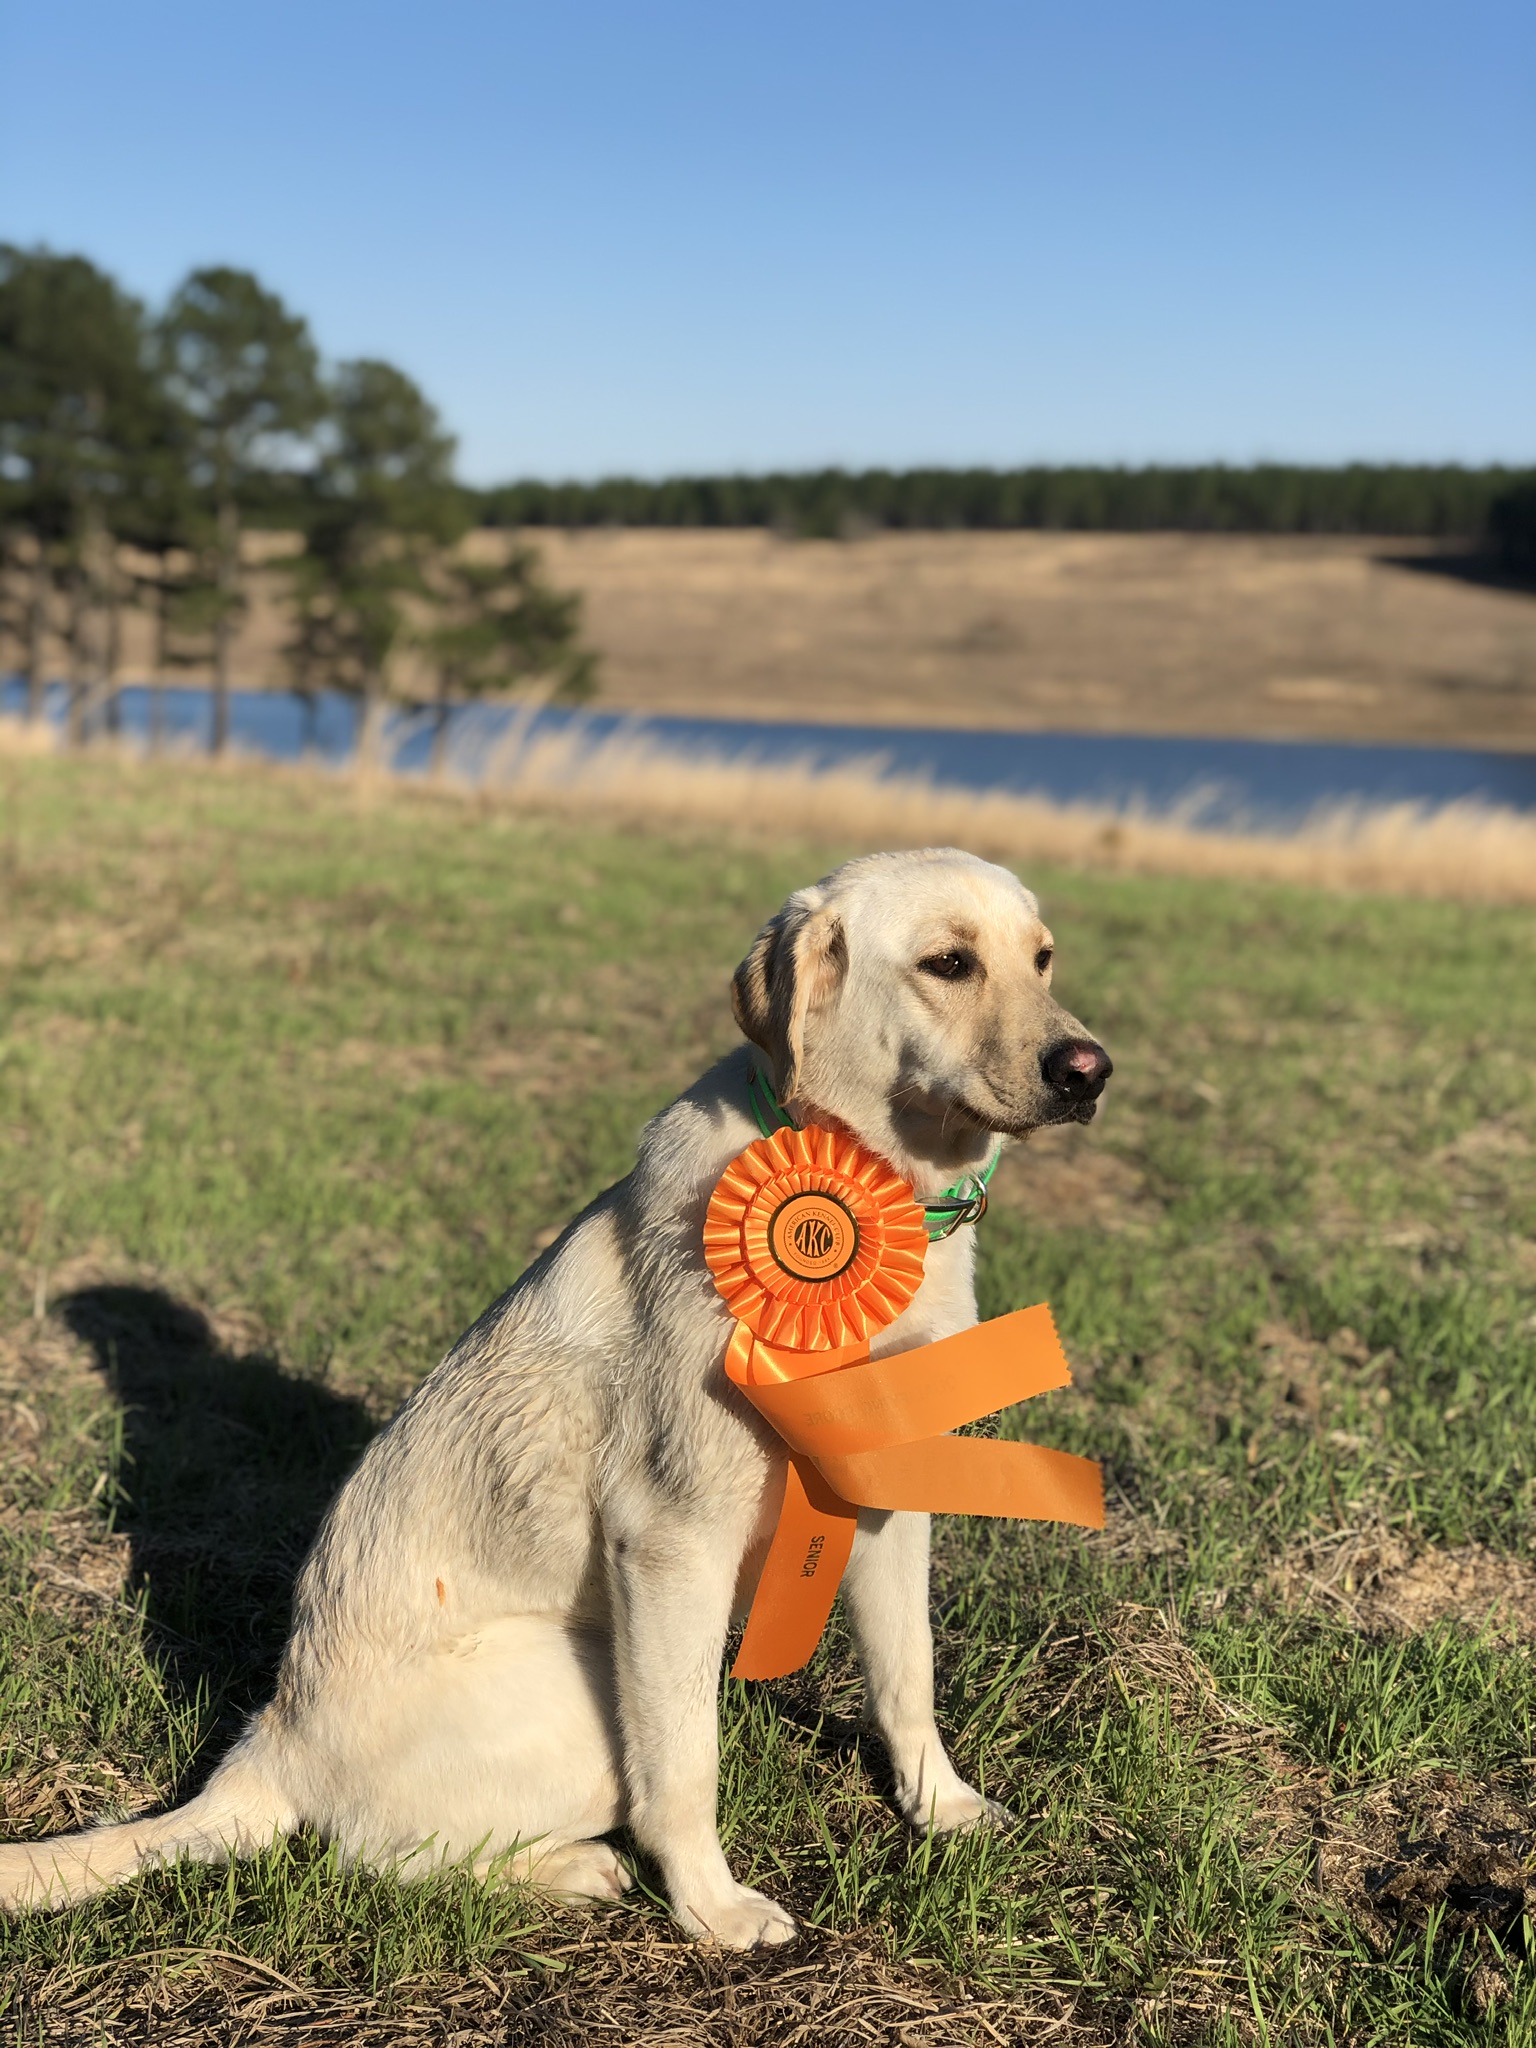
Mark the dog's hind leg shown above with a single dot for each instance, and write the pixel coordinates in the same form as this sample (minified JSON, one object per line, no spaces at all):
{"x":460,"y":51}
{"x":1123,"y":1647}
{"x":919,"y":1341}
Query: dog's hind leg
{"x":499,"y":1750}
{"x":581,"y":1870}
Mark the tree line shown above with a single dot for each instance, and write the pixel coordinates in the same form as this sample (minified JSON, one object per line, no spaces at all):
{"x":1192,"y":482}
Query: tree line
{"x":1445,"y":501}
{"x":136,"y":448}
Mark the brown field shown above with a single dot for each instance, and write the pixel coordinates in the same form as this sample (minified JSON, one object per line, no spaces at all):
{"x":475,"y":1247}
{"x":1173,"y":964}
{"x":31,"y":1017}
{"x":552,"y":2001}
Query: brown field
{"x":1319,"y":637}
{"x":1088,"y":632}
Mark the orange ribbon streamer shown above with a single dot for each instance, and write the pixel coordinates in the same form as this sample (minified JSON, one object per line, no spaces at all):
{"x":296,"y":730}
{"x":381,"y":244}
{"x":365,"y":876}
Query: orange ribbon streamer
{"x":816,"y":1246}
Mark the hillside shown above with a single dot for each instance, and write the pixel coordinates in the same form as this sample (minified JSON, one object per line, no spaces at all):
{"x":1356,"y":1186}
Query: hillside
{"x":1096,"y":632}
{"x":1330,"y":636}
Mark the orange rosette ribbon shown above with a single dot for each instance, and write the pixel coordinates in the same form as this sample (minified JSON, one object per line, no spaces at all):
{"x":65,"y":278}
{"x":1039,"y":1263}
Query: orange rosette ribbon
{"x":814,"y":1243}
{"x":816,"y":1246}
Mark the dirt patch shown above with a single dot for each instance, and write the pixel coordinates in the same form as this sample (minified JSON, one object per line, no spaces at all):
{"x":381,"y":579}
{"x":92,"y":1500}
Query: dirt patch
{"x":1302,"y":1381}
{"x":1488,"y":1168}
{"x":1372,"y":1579}
{"x":1295,"y":1370}
{"x":1496,"y":1140}
{"x":1443,"y":1857}
{"x":1065,"y":1178}
{"x":1470,"y":1585}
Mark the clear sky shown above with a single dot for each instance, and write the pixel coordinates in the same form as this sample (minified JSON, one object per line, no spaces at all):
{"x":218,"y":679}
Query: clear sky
{"x":669,"y":235}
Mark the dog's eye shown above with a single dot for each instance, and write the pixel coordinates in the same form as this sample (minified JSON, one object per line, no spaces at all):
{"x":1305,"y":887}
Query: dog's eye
{"x":1042,"y":959}
{"x":949,"y":966}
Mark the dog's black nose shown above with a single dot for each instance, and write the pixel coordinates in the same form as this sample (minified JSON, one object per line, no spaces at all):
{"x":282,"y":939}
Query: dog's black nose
{"x":1077,"y":1068}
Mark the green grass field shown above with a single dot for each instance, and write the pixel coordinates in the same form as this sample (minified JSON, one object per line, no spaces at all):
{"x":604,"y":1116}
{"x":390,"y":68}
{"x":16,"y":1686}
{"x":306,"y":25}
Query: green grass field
{"x":293,"y":1083}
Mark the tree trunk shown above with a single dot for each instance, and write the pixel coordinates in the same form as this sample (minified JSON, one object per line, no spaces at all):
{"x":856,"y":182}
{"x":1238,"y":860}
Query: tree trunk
{"x":309,"y":744}
{"x":112,"y":640}
{"x":39,"y":609}
{"x":157,"y":681}
{"x":224,"y":630}
{"x":370,"y":732}
{"x":79,"y":655}
{"x":440,"y":732}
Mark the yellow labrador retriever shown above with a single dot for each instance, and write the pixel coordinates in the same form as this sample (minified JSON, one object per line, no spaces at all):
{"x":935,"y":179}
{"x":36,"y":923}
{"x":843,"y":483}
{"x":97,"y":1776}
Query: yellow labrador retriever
{"x":507,"y":1638}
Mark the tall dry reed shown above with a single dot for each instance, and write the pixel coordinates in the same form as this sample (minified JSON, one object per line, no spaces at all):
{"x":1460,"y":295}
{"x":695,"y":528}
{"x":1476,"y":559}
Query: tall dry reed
{"x":1466,"y":851}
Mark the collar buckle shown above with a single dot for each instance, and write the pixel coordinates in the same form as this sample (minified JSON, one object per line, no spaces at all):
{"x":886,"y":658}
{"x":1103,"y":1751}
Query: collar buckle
{"x":965,"y":1202}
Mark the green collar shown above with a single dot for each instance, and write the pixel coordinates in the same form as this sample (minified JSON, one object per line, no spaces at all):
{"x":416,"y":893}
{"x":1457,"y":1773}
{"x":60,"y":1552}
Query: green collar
{"x":965,"y":1202}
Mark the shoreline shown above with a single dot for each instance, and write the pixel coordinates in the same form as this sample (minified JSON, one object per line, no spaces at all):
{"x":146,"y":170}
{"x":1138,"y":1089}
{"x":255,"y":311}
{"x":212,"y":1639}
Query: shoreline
{"x":1459,"y":851}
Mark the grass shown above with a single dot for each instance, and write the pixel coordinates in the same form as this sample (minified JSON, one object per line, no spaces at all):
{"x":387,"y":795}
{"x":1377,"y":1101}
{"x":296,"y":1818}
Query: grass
{"x":293,"y":1081}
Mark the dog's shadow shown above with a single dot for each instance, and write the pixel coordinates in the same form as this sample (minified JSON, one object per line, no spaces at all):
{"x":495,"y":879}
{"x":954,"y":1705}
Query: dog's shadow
{"x":226,"y":1466}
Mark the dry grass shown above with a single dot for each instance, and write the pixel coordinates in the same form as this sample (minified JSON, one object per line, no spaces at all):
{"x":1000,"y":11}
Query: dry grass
{"x":20,"y":741}
{"x":1315,"y":636}
{"x":1464,"y":851}
{"x":657,"y":1992}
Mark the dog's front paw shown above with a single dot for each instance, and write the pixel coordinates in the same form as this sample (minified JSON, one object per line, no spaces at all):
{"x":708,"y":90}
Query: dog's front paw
{"x":738,"y":1918}
{"x":956,"y":1809}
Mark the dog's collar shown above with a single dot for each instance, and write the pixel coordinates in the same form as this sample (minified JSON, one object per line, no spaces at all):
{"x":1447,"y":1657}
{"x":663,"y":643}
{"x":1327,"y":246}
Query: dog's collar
{"x":965,"y":1202}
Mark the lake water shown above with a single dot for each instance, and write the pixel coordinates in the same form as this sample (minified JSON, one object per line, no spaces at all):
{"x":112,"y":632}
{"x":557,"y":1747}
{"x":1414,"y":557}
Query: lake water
{"x":1265,"y":784}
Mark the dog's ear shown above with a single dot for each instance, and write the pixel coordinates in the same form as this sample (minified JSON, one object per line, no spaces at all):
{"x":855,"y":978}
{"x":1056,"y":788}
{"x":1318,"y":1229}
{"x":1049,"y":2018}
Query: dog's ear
{"x":796,"y":964}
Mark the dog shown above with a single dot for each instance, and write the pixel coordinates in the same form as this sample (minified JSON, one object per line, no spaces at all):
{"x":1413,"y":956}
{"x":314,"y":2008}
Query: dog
{"x":508,"y":1634}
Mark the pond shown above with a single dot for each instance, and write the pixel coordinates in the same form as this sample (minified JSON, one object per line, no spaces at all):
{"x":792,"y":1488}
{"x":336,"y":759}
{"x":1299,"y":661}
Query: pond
{"x":1272,"y":785}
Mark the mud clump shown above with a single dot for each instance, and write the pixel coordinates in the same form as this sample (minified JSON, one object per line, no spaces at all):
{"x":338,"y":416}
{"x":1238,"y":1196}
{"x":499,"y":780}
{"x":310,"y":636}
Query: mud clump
{"x":1443,"y":1858}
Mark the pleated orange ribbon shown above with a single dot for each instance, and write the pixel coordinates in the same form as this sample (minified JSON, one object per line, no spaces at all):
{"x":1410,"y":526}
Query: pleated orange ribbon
{"x":816,"y":1245}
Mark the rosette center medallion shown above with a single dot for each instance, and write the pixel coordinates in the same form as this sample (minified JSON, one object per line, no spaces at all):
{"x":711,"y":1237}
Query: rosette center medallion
{"x":813,"y":1237}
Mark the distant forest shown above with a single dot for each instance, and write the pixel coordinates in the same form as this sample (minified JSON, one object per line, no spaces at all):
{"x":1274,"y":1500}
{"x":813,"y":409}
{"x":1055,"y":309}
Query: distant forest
{"x":1492,"y":505}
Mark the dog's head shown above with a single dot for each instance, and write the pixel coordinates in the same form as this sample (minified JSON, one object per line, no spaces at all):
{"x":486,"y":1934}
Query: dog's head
{"x":908,"y":998}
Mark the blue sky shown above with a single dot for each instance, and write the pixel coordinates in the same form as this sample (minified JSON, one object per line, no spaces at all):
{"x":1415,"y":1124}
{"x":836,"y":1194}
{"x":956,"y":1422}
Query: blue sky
{"x":661,"y":237}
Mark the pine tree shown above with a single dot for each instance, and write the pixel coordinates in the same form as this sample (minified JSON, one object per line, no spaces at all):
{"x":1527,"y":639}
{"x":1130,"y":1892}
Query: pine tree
{"x":384,"y":504}
{"x":498,"y":628}
{"x":78,"y":410}
{"x":245,"y":373}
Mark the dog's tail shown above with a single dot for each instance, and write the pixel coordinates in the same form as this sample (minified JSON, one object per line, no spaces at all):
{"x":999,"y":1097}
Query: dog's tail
{"x":239,"y":1811}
